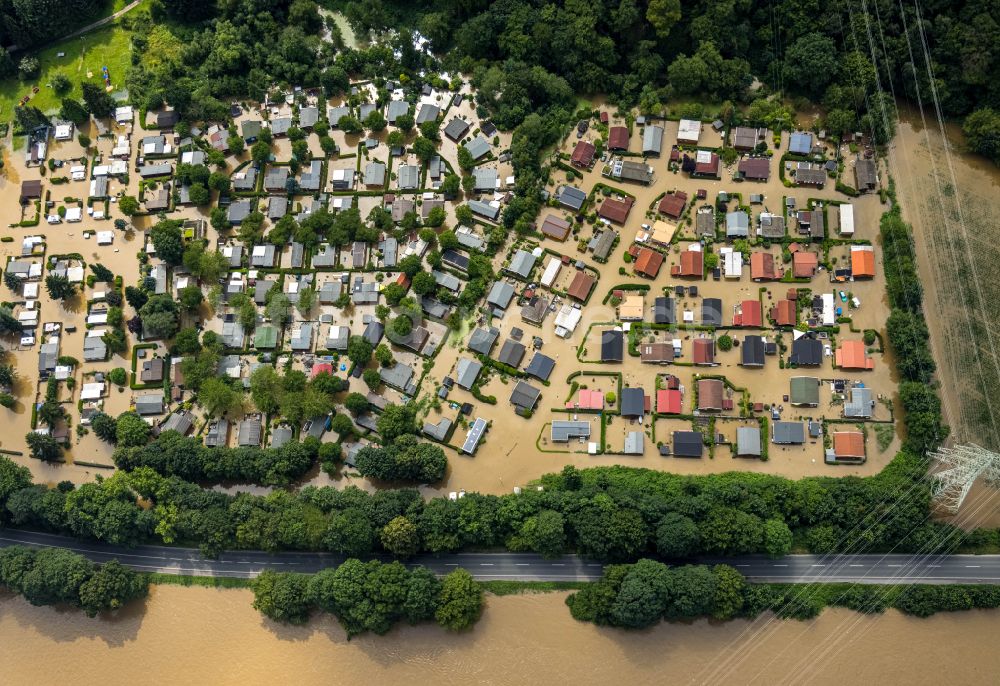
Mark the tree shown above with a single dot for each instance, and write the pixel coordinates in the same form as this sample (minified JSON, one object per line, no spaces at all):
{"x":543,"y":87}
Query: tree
{"x":431,"y":129}
{"x":111,"y":587}
{"x":371,"y":378}
{"x":810,"y":63}
{"x":461,"y":601}
{"x":279,"y":310}
{"x":349,"y":124}
{"x":356,"y":403}
{"x":359,"y":350}
{"x":545,"y":533}
{"x":282,"y":596}
{"x":97,"y":101}
{"x":725,"y":343}
{"x":677,"y":536}
{"x":266,"y":389}
{"x":402,"y":326}
{"x":306,"y":301}
{"x":663,"y":15}
{"x":135,"y":297}
{"x":131,"y":430}
{"x":118,"y":376}
{"x":28,"y":68}
{"x":72,"y":110}
{"x":982,"y":132}
{"x":168,"y":241}
{"x":425,"y":149}
{"x":384,"y":355}
{"x":375,"y":121}
{"x":350,"y":533}
{"x":451,"y":184}
{"x":464,"y":215}
{"x":777,"y":538}
{"x":219,"y":182}
{"x":191,"y":298}
{"x":218,"y":397}
{"x":260,"y":153}
{"x":400,"y":537}
{"x":404,"y":122}
{"x":61,"y":84}
{"x":59,"y":287}
{"x":43,"y":446}
{"x":465,"y":159}
{"x":395,"y":421}
{"x":128,"y":205}
{"x":159,"y":316}
{"x":105,"y":427}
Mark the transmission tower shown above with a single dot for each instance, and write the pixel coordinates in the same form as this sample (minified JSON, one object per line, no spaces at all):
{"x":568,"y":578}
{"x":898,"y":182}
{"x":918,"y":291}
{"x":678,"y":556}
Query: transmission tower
{"x":959,"y":467}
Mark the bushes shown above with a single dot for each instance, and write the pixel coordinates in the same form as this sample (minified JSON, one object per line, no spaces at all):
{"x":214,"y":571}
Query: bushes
{"x":406,"y":459}
{"x":370,"y":596}
{"x":55,"y":576}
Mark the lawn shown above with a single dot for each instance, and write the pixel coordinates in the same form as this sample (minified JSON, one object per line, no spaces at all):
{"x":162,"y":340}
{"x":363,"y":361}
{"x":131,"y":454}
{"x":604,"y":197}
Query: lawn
{"x":108,"y":47}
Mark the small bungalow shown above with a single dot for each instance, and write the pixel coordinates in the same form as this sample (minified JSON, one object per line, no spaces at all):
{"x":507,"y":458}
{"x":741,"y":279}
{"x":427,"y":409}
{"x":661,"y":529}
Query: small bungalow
{"x":710,"y":395}
{"x":853,"y":355}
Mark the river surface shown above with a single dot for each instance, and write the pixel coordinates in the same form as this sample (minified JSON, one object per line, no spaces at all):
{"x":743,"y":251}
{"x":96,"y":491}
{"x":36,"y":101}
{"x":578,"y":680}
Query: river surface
{"x":214,"y":636}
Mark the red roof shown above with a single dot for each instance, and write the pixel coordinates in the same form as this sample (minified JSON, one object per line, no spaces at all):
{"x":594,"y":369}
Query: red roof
{"x":692,"y":264}
{"x":649,"y":262}
{"x":555,"y":227}
{"x":403,"y":280}
{"x":762,"y":267}
{"x":804,"y":264}
{"x":320,"y":368}
{"x":710,"y":168}
{"x":672,"y":204}
{"x":853,"y":355}
{"x":849,"y":444}
{"x":581,"y":286}
{"x":749,"y":314}
{"x":862,"y":261}
{"x":583,"y":154}
{"x":618,"y":138}
{"x":587,"y":400}
{"x":615,"y":210}
{"x":710,"y":393}
{"x":703,"y":351}
{"x":604,"y":117}
{"x":784,"y":314}
{"x":668,"y":401}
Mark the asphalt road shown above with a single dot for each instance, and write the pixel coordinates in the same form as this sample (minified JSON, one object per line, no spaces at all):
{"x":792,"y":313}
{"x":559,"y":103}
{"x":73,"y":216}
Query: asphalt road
{"x":869,"y":569}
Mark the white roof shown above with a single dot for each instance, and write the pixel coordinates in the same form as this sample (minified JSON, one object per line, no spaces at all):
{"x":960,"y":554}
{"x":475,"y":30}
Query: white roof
{"x":98,"y":318}
{"x":551,"y":271}
{"x":732,"y":263}
{"x":828,"y":310}
{"x":64,"y":131}
{"x":703,"y":157}
{"x":91,"y":391}
{"x":567,"y":319}
{"x":105,"y":237}
{"x":30,"y":290}
{"x":689,"y":130}
{"x":847,"y":219}
{"x":75,"y":274}
{"x":74,"y":214}
{"x":123,"y":115}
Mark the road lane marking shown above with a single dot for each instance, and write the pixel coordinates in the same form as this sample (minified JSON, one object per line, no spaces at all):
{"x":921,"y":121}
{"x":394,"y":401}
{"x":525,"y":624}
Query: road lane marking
{"x":972,"y":566}
{"x":522,"y":564}
{"x":485,"y":564}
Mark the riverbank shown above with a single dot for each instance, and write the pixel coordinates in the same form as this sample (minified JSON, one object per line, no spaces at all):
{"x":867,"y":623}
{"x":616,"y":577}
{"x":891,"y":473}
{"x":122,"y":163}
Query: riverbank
{"x":205,"y":635}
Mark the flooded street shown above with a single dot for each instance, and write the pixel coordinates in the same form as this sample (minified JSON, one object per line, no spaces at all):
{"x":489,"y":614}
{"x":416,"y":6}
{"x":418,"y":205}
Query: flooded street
{"x":214,"y":636}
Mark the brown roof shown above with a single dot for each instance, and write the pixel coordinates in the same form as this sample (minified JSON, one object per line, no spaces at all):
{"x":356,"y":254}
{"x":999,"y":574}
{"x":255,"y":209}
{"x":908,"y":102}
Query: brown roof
{"x":804,"y":264}
{"x":583,"y":154}
{"x":31,"y":189}
{"x":710,"y":168}
{"x":762,"y":267}
{"x":710,"y":394}
{"x":656,"y":352}
{"x":692,"y":264}
{"x":581,"y":286}
{"x":152,"y":370}
{"x":757,"y":168}
{"x":783,"y":313}
{"x":849,"y":444}
{"x":555,"y":227}
{"x":703,"y":351}
{"x":615,"y":210}
{"x":672,"y":204}
{"x":648,"y":262}
{"x":618,"y":138}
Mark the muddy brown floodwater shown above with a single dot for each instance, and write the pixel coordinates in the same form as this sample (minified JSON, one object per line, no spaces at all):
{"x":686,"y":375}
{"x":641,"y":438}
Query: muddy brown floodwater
{"x":213,"y":636}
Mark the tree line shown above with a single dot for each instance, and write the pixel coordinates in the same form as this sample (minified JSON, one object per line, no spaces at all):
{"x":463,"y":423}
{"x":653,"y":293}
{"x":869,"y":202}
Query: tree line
{"x":54,"y":576}
{"x":370,"y":596}
{"x":635,"y":596}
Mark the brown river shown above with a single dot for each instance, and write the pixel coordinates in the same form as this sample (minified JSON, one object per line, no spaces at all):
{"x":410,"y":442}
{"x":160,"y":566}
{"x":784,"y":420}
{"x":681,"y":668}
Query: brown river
{"x":214,"y":636}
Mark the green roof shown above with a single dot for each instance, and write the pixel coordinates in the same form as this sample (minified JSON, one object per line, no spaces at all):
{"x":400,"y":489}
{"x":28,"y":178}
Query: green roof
{"x":265,"y":337}
{"x":804,"y":390}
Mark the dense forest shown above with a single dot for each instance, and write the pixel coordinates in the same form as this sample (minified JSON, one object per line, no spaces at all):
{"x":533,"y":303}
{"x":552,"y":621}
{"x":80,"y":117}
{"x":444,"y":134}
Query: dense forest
{"x":27,"y":23}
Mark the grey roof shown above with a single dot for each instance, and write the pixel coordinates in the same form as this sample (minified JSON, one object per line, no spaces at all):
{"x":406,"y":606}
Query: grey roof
{"x":752,"y":351}
{"x":612,"y":345}
{"x":737,"y":224}
{"x":633,"y":402}
{"x":330,"y":292}
{"x":338,"y":337}
{"x":688,"y":443}
{"x":807,"y":352}
{"x":652,"y":139}
{"x":604,"y":243}
{"x":260,"y":290}
{"x":524,"y":396}
{"x":276,"y":178}
{"x":634,"y":443}
{"x":408,"y":176}
{"x":859,"y":402}
{"x":467,"y":371}
{"x":297,"y":257}
{"x":179,"y":422}
{"x":398,"y":376}
{"x":263,"y":260}
{"x":251,"y":128}
{"x":800,"y":143}
{"x":478,"y":147}
{"x":711,"y":312}
{"x":772,"y":225}
{"x":484,"y":209}
{"x":365,"y":109}
{"x":238,"y":211}
{"x":326,"y":257}
{"x":249,"y":432}
{"x":149,"y":404}
{"x":475,"y":434}
{"x":449,"y":281}
{"x":99,"y":187}
{"x":511,"y":353}
{"x":439,"y":431}
{"x":217,"y":434}
{"x":374,"y":330}
{"x":500,"y":294}
{"x":486,"y":179}
{"x":433,"y":307}
{"x":153,"y":170}
{"x":571,"y":197}
{"x":540,"y":367}
{"x":302,"y":337}
{"x":665,"y":311}
{"x":455,"y":259}
{"x":280,"y":125}
{"x":245,"y":180}
{"x":788,"y":432}
{"x":308,"y":116}
{"x":427,"y":112}
{"x":364,"y":292}
{"x":94,"y":349}
{"x":521,"y":264}
{"x":375,"y":174}
{"x":748,"y":441}
{"x":483,"y":340}
{"x":389,"y":247}
{"x":47,"y":356}
{"x":333,"y":114}
{"x":470,"y":240}
{"x":456,"y":128}
{"x":309,"y":179}
{"x":396,"y":108}
{"x":563,"y":430}
{"x":233,"y":334}
{"x":280,"y":436}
